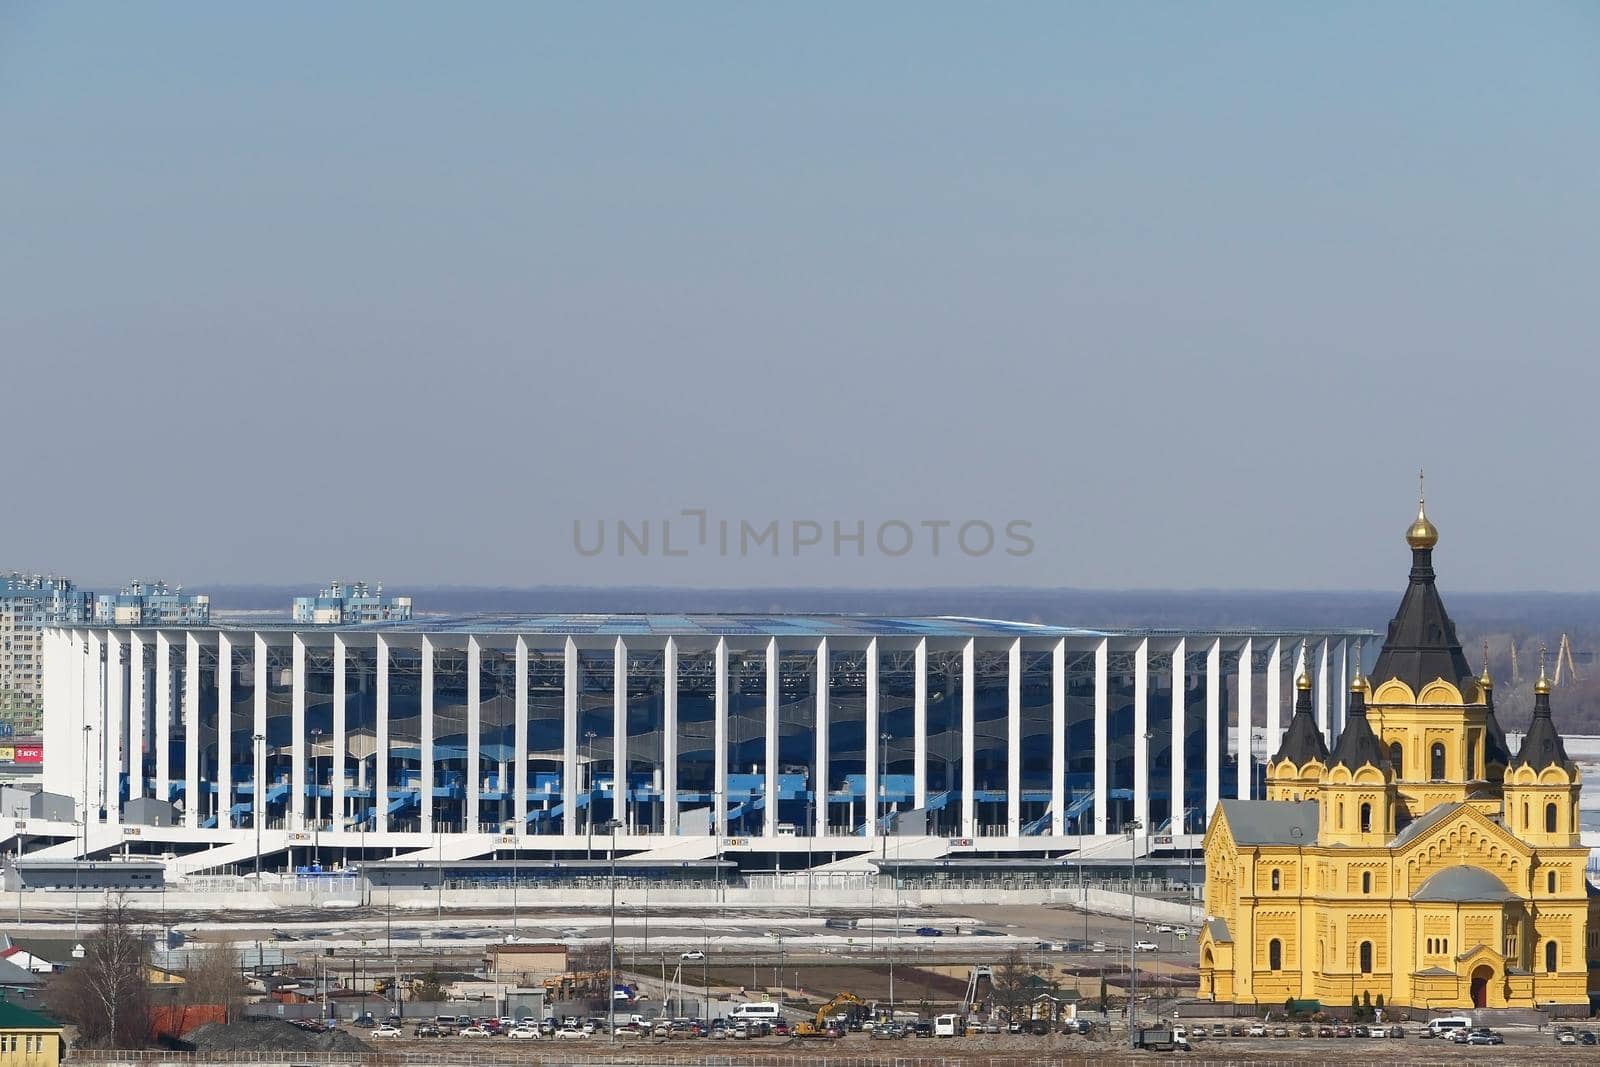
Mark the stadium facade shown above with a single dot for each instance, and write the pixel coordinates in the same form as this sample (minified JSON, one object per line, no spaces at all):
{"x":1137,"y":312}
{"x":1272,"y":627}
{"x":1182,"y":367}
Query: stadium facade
{"x":767,"y":735}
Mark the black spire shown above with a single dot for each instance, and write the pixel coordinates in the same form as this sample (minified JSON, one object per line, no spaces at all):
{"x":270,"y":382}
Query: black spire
{"x":1358,"y":745}
{"x":1421,"y":644}
{"x":1542,"y":745}
{"x":1496,"y":750}
{"x":1302,"y":741}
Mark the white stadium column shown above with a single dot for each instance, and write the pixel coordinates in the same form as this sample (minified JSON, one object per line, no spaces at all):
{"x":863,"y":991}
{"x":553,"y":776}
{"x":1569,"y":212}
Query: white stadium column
{"x":919,"y":726}
{"x":474,"y":733}
{"x":1102,"y":735}
{"x":1014,"y":739}
{"x":1341,"y":688}
{"x":258,"y":749}
{"x":1058,"y":737}
{"x":1274,"y":697}
{"x":719,"y":759}
{"x":138,"y":700}
{"x":295,"y":812}
{"x":224,"y":732}
{"x":569,"y":739}
{"x":871,"y":789}
{"x":1245,"y":760}
{"x":76,"y":747}
{"x":1178,"y":804}
{"x":519,"y":765}
{"x":1141,"y":726}
{"x":336,"y":762}
{"x":425,"y":761}
{"x":163,"y":715}
{"x":669,"y":737}
{"x":770,"y":823}
{"x":969,"y":716}
{"x":1213,"y":725}
{"x":619,"y":735}
{"x":1322,"y":693}
{"x":819,"y":780}
{"x":380,"y":757}
{"x":112,"y":721}
{"x":192,"y":738}
{"x":95,"y":714}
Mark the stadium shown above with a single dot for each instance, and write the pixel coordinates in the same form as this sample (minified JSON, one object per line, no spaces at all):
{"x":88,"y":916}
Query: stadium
{"x":762,"y":742}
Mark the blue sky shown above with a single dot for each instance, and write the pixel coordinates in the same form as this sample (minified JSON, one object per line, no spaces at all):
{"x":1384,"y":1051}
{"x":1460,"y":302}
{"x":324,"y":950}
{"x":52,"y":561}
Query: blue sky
{"x":404,"y":291}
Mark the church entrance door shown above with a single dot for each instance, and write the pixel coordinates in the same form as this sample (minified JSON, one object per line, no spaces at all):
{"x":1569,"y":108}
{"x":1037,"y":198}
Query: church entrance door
{"x":1480,"y":986}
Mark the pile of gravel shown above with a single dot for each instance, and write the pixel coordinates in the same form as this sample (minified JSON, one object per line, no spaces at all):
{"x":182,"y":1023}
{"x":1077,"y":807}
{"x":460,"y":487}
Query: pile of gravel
{"x":269,"y":1035}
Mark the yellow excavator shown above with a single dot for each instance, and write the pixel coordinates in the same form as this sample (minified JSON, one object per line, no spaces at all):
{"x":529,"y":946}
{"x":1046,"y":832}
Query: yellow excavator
{"x":826,"y":1013}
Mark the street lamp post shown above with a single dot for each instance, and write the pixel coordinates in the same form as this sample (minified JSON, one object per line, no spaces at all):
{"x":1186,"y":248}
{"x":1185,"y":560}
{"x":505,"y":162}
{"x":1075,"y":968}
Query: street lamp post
{"x":1133,"y":828}
{"x":259,"y":751}
{"x":611,"y":975}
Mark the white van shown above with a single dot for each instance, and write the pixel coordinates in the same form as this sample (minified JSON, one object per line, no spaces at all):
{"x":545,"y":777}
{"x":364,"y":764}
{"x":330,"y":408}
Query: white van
{"x":947,"y":1026}
{"x":766,"y":1013}
{"x":1449,"y":1025}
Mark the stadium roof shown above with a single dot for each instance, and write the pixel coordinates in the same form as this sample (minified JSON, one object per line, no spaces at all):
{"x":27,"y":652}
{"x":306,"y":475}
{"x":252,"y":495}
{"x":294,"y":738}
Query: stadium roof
{"x":755,"y":625}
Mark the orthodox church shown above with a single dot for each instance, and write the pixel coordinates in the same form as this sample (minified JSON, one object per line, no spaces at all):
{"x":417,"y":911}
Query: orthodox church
{"x":1419,"y":860}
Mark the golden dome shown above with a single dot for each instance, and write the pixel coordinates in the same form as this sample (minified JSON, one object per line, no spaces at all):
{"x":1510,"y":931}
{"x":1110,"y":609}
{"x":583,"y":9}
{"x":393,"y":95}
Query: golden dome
{"x":1422,"y":534}
{"x":1542,"y":686}
{"x":1303,"y":682}
{"x":1485,"y":682}
{"x":1358,"y":684}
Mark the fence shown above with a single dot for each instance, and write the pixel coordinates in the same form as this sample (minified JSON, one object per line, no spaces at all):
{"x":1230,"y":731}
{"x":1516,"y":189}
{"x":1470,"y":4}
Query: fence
{"x":621,"y":1057}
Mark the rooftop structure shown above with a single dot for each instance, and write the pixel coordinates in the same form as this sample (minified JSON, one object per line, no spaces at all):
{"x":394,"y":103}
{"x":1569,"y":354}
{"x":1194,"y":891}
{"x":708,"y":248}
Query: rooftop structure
{"x":347,"y":605}
{"x":142,"y":603}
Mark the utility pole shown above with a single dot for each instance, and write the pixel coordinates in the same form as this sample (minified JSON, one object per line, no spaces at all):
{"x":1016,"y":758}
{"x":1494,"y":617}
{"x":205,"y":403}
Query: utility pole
{"x":1133,"y":829}
{"x":611,"y":977}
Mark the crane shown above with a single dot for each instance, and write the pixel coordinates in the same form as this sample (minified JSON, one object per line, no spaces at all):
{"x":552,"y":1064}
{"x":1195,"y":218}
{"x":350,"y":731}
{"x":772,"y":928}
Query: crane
{"x":1564,"y":655}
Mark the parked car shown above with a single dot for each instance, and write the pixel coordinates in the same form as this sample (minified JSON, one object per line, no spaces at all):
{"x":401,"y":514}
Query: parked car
{"x":571,"y":1033}
{"x":1144,"y":946}
{"x":922,"y":1028}
{"x":1587,"y":1037}
{"x":1485,"y":1036}
{"x":929,"y":931}
{"x":780,"y":1029}
{"x":1566,"y":1036}
{"x":1258,"y":1029}
{"x":692,"y":954}
{"x":1307,"y":1030}
{"x":427,"y":1030}
{"x":1359,"y":1030}
{"x":1397,"y":1031}
{"x":1281,"y":1031}
{"x":523,"y":1033}
{"x":388,"y":1031}
{"x":1164,"y":929}
{"x":475,"y":1031}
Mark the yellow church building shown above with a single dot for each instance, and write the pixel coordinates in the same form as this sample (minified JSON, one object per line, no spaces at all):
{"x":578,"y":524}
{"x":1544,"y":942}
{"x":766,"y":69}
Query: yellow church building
{"x":1419,"y":860}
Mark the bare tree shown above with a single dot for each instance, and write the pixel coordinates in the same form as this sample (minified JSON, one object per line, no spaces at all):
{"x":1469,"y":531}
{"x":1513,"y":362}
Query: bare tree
{"x":107,"y":995}
{"x":212,"y":978}
{"x":1014,"y":984}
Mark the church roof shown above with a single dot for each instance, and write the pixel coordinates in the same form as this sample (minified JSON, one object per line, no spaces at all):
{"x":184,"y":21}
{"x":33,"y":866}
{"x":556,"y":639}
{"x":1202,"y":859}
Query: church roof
{"x":1421,"y":824}
{"x":1271,"y":822}
{"x":1421,"y":644}
{"x":1219,"y":929}
{"x":1302,"y":741}
{"x":1358,"y":745}
{"x":1461,"y":885}
{"x":1542,"y":745}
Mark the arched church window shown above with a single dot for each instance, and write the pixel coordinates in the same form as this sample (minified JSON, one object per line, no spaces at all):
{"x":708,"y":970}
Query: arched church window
{"x":1550,"y":957}
{"x":1472,"y":761}
{"x":1366,"y":957}
{"x":1550,"y":881}
{"x":1549,"y":818}
{"x":1275,"y":884}
{"x":1436,"y":763}
{"x":1275,"y":955}
{"x":1366,"y":818}
{"x":1396,"y":757}
{"x":1366,"y":881}
{"x":1525,"y":823}
{"x":1338,"y":816}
